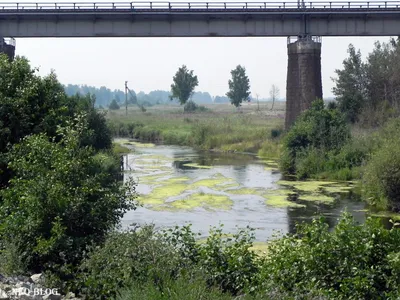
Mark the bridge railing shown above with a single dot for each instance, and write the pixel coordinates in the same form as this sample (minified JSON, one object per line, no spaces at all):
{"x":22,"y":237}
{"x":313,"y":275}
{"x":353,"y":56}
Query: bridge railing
{"x":94,"y":6}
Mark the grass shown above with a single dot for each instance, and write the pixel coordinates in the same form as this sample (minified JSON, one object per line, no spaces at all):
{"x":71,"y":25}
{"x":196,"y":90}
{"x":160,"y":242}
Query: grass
{"x":221,"y":128}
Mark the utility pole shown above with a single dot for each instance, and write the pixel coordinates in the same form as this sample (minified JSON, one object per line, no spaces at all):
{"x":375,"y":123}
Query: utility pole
{"x":258,"y":103}
{"x":126,"y":98}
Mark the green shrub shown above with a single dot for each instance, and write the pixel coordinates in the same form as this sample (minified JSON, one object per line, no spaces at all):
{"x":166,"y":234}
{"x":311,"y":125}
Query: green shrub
{"x":351,"y":262}
{"x":62,"y":198}
{"x":190,"y":106}
{"x":182,"y":288}
{"x":318,"y":128}
{"x":381,"y":179}
{"x":114,"y":105}
{"x":128,"y":258}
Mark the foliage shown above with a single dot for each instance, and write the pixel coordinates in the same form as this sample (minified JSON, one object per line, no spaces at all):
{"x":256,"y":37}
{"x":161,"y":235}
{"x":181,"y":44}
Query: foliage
{"x":184,"y":287}
{"x":239,"y":86}
{"x":62,"y":198}
{"x":184,"y":84}
{"x":136,"y":256}
{"x":30,"y":104}
{"x":351,"y":262}
{"x":317,"y":131}
{"x":368,"y":91}
{"x":381,"y":178}
{"x":114,"y":105}
{"x":350,"y":90}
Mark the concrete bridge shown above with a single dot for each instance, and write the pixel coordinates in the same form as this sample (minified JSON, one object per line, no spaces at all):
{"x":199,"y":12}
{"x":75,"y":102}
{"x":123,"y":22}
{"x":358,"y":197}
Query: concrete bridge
{"x":304,"y":20}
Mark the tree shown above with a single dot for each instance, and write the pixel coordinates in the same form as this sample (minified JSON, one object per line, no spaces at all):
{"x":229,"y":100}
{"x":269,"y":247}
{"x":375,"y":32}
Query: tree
{"x":62,"y":198}
{"x":274,"y":94}
{"x":113,"y":105}
{"x":239,"y":86}
{"x":184,"y":85}
{"x":350,"y":89}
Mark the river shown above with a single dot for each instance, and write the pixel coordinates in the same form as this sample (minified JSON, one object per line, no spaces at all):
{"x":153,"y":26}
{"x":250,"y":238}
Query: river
{"x":179,"y":185}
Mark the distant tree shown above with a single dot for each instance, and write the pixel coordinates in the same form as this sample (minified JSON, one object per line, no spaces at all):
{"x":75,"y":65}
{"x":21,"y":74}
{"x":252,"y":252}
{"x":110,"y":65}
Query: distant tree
{"x":274,"y":94}
{"x":350,"y":89}
{"x":113,"y":105}
{"x":239,"y":86}
{"x":184,"y":85}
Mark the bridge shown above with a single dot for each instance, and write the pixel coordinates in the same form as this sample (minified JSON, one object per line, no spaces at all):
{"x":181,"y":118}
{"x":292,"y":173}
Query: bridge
{"x":200,"y":19}
{"x":307,"y":21}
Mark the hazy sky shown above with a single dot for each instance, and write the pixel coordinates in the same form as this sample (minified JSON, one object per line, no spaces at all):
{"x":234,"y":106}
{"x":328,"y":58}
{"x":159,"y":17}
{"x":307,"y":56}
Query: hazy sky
{"x":150,"y":63}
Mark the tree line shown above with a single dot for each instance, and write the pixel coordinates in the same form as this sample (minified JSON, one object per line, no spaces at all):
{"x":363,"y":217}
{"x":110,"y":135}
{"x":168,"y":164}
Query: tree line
{"x":368,"y":91}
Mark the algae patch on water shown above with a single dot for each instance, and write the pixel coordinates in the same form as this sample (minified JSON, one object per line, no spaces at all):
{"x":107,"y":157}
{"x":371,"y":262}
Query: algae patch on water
{"x":305,"y":186}
{"x":281,"y":201}
{"x":207,"y":201}
{"x":197,"y":166}
{"x":216,"y":180}
{"x":160,"y":194}
{"x":243,"y":191}
{"x":317,"y":198}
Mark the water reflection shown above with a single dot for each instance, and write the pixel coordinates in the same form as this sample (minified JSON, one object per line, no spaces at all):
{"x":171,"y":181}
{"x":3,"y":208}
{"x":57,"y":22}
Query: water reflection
{"x":246,"y":172}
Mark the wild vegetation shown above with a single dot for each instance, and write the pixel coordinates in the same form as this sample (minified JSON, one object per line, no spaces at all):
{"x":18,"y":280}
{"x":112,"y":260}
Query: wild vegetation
{"x":61,"y":201}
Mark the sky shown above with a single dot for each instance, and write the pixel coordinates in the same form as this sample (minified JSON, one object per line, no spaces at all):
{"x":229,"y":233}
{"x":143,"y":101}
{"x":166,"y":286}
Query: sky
{"x":150,"y":63}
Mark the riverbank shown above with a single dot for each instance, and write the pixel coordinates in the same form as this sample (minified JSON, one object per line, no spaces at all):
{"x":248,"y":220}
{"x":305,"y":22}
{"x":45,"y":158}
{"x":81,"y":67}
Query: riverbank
{"x":220,"y":128}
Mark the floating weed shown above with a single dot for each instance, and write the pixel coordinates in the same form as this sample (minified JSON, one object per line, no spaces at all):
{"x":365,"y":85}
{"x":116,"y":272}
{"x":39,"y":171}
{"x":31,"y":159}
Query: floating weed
{"x":244,"y":191}
{"x":317,"y":198}
{"x":281,"y":192}
{"x":281,"y":201}
{"x":157,"y":157}
{"x":141,"y":145}
{"x":225,"y":187}
{"x":306,"y":186}
{"x":197,"y":166}
{"x":211,"y":182}
{"x":151,"y":178}
{"x":385,"y":214}
{"x":338,"y":188}
{"x":207,"y":201}
{"x":166,"y":191}
{"x":174,"y":180}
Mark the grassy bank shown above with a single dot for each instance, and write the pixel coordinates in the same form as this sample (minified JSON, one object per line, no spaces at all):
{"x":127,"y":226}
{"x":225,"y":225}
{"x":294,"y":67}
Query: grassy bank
{"x":220,"y":128}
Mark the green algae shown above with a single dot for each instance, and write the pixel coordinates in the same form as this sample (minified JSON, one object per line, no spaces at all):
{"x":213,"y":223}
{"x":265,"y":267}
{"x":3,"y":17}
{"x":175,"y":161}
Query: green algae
{"x":141,"y":145}
{"x":174,"y":180}
{"x":260,"y":248}
{"x":280,"y":192}
{"x":168,"y":190}
{"x":157,"y":157}
{"x":225,"y":187}
{"x":207,"y":201}
{"x":211,"y":182}
{"x":317,"y":198}
{"x":306,"y":186}
{"x":151,"y":178}
{"x":243,"y":191}
{"x":338,"y":188}
{"x":385,"y":214}
{"x":195,"y":165}
{"x":281,"y":201}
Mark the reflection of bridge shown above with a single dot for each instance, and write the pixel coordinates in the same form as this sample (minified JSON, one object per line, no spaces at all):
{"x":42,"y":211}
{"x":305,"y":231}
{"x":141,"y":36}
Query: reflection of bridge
{"x":214,"y":19}
{"x":181,"y":19}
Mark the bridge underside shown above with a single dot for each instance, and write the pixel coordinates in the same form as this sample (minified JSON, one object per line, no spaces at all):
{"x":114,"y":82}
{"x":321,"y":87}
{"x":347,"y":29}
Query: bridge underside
{"x":120,"y":23}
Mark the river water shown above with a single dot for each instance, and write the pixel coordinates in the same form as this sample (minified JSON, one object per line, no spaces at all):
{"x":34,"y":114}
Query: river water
{"x":179,"y":185}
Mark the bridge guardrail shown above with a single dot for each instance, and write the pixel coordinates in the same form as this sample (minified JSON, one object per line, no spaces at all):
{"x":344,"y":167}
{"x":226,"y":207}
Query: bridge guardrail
{"x":220,"y":6}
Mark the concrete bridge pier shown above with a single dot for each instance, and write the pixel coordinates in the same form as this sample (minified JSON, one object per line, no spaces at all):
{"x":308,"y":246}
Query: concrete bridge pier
{"x":7,"y":47}
{"x":304,"y":83}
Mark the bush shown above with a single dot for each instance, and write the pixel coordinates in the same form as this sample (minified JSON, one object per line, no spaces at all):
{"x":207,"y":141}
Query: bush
{"x":190,"y":106}
{"x":320,"y":129}
{"x":351,"y":262}
{"x":62,"y":198}
{"x":114,"y":105}
{"x":128,"y":258}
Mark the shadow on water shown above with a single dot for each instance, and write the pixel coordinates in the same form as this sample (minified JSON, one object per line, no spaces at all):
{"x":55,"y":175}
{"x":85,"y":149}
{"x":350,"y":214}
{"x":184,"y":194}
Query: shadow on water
{"x":244,"y":185}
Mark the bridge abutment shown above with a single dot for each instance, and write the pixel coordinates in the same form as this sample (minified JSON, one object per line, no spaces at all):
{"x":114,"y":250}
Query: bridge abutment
{"x":7,"y":47}
{"x":304,"y":83}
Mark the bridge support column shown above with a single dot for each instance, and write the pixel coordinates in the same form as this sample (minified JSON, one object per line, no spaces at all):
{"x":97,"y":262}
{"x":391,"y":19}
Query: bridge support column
{"x":303,"y":83}
{"x":7,"y":47}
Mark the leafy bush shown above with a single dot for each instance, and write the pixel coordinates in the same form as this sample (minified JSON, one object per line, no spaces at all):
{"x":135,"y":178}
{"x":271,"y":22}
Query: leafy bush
{"x":61,"y":199}
{"x":128,"y":258}
{"x":351,"y":262}
{"x":317,"y":130}
{"x":114,"y":105}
